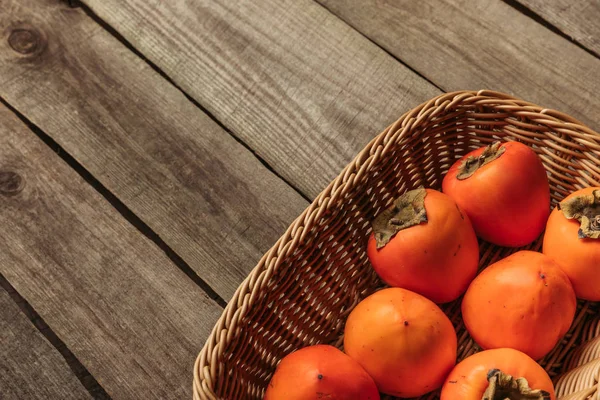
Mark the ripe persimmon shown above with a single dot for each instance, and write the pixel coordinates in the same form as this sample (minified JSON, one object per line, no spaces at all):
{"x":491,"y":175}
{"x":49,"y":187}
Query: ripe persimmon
{"x":572,"y":239}
{"x":320,"y":372}
{"x":504,"y":190}
{"x":403,"y":340}
{"x":498,"y":374}
{"x":424,"y":243}
{"x":524,"y":301}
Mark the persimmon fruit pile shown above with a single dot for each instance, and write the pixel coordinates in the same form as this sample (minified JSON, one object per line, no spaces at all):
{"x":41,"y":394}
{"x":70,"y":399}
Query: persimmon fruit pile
{"x":397,"y":341}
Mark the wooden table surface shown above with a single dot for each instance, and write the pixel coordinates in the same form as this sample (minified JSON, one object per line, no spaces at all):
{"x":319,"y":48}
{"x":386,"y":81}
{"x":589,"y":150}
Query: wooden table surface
{"x":151,"y":151}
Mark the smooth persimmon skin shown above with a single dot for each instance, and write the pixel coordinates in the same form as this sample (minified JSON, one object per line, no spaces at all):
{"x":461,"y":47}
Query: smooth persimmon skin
{"x":320,"y":372}
{"x":403,"y":340}
{"x":524,"y":301}
{"x":437,"y":259}
{"x":579,"y":258}
{"x":508,"y":199}
{"x":468,"y":380}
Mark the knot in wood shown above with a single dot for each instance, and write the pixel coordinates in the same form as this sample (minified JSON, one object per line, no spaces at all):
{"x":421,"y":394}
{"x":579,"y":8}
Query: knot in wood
{"x":24,"y":40}
{"x":11,"y":183}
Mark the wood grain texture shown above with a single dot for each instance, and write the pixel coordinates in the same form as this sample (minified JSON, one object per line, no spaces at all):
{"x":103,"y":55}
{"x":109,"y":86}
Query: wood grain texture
{"x":206,"y":196}
{"x":132,"y":318}
{"x":300,"y":87}
{"x":461,"y":44}
{"x":30,"y":367}
{"x":578,"y":19}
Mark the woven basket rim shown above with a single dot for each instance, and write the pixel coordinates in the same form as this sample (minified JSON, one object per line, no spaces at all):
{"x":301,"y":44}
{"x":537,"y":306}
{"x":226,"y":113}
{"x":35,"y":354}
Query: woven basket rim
{"x":207,"y":363}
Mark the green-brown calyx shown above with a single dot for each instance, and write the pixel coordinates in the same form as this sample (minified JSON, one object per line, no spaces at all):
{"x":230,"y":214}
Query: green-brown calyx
{"x":472,"y":163}
{"x":407,"y":210}
{"x":504,"y":387}
{"x":586,"y":210}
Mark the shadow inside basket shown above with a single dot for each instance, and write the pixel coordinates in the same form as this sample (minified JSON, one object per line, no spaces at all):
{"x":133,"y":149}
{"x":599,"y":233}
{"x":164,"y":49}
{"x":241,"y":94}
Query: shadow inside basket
{"x":315,"y":282}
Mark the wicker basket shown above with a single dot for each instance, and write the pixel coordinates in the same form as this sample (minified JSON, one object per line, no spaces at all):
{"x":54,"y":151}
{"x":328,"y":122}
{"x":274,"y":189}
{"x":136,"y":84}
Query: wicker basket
{"x":302,"y":290}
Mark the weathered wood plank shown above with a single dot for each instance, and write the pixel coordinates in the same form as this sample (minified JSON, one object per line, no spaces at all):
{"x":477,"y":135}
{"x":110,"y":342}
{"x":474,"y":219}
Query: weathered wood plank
{"x":30,"y":367}
{"x":300,"y":87}
{"x":206,"y":196}
{"x":132,"y":318}
{"x":461,"y":44}
{"x":575,"y":18}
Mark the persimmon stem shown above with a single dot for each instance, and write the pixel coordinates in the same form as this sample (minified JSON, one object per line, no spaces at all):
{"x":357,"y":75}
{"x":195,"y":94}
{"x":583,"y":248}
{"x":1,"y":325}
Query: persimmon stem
{"x":407,"y":210}
{"x":586,"y":210}
{"x":472,"y":164}
{"x":504,"y":387}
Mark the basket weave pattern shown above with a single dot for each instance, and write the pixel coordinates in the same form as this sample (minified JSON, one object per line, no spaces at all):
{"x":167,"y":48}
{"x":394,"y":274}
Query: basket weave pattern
{"x":302,"y":290}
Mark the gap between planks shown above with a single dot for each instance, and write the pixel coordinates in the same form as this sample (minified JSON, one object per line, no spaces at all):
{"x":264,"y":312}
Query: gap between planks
{"x":386,"y":51}
{"x":79,"y":370}
{"x":523,"y":9}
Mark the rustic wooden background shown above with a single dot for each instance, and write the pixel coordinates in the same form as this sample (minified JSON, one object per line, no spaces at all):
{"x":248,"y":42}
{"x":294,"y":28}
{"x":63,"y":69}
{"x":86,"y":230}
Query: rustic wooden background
{"x":151,"y":151}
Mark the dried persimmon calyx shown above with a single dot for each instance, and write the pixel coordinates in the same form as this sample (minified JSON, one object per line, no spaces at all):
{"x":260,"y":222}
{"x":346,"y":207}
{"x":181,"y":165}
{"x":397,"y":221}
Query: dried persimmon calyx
{"x":503,"y":386}
{"x":406,"y":211}
{"x":472,"y":164}
{"x":586,"y":210}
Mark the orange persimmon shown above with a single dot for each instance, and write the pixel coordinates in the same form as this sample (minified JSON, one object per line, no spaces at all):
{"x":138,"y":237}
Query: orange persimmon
{"x":496,"y":375}
{"x":572,"y":239}
{"x":524,"y":301}
{"x":403,"y":340}
{"x":320,"y":372}
{"x":504,"y":190}
{"x":424,"y":243}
